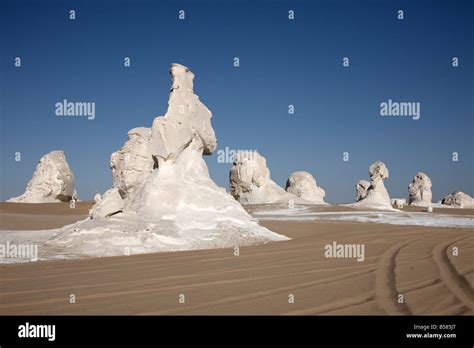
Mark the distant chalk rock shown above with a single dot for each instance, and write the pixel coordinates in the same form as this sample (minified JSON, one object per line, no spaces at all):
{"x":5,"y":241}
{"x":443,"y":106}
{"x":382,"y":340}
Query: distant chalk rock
{"x":398,"y":202}
{"x":376,"y":196}
{"x":303,"y":185}
{"x":420,"y":190}
{"x":458,"y":199}
{"x":52,"y":181}
{"x":250,"y":181}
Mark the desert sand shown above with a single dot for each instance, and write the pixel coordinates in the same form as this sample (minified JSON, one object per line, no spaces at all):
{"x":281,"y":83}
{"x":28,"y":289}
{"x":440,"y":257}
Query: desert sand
{"x":410,"y":260}
{"x":24,"y":216}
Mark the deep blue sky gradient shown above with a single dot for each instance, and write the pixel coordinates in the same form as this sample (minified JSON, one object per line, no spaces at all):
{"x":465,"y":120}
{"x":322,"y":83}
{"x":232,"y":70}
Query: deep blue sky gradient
{"x":282,"y":62}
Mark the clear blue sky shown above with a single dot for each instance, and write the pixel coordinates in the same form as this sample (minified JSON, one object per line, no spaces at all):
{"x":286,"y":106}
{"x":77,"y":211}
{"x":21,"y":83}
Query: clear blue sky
{"x":282,"y":62}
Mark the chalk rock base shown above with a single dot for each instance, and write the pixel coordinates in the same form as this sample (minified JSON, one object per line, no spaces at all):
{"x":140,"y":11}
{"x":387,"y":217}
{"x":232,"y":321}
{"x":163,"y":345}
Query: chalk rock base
{"x":181,"y":212}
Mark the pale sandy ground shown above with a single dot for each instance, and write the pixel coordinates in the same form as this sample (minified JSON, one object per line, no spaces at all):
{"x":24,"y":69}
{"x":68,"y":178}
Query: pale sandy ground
{"x":21,"y":216}
{"x":413,"y":261}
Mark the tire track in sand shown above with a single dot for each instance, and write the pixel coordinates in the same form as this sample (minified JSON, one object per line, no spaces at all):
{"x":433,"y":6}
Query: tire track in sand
{"x":386,"y":293}
{"x":454,"y":281}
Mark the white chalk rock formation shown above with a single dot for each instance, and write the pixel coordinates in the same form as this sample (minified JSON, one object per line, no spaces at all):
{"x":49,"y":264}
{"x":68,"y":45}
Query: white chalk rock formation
{"x":163,"y":198}
{"x":130,"y":166}
{"x":52,"y":181}
{"x":250,"y":181}
{"x":133,"y":162}
{"x":376,"y":195}
{"x":398,"y":202}
{"x":361,"y":189}
{"x":458,"y":199}
{"x":420,"y":190}
{"x":303,"y":185}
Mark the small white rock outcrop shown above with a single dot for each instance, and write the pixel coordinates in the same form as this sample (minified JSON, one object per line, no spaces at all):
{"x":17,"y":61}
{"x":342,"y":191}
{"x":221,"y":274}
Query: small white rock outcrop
{"x":398,"y":202}
{"x":420,"y":190}
{"x":52,"y":181}
{"x":303,"y":185}
{"x":458,"y":199}
{"x":250,"y":181}
{"x":97,"y":197}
